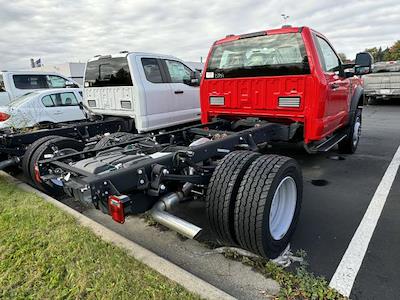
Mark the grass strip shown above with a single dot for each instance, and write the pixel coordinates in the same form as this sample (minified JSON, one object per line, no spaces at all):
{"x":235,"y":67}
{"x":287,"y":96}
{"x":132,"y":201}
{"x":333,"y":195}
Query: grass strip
{"x":45,"y":254}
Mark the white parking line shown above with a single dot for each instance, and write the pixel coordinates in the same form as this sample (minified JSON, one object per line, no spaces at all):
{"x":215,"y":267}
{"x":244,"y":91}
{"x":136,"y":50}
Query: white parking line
{"x":346,"y":273}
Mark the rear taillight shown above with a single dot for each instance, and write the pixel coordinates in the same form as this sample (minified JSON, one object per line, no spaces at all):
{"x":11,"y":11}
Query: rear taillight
{"x":4,"y":117}
{"x":116,"y":207}
{"x":37,"y":173}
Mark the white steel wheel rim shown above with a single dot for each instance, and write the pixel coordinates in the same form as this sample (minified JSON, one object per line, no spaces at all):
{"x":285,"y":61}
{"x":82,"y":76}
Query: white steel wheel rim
{"x":356,"y":132}
{"x":283,"y":207}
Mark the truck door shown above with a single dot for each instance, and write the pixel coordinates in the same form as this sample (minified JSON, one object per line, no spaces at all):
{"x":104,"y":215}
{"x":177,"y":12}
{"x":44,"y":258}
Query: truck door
{"x":186,"y":104}
{"x":338,"y":86}
{"x":156,"y":95}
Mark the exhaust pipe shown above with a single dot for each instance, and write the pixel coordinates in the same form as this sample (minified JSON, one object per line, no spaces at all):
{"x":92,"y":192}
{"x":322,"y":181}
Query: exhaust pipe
{"x":160,"y":214}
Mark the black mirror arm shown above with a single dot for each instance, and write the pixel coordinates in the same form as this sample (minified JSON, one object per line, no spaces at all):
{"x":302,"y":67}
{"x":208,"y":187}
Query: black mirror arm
{"x":348,"y":66}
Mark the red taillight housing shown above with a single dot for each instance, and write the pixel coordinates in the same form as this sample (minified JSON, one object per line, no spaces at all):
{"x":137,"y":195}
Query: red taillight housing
{"x":37,"y":173}
{"x":4,"y":116}
{"x":116,"y":207}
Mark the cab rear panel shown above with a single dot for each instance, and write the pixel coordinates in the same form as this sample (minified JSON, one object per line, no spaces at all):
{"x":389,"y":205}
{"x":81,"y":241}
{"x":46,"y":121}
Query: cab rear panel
{"x":304,"y":92}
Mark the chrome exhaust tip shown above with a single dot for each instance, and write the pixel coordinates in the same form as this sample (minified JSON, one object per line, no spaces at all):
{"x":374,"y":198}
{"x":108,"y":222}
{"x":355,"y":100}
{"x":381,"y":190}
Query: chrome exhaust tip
{"x":161,"y":215}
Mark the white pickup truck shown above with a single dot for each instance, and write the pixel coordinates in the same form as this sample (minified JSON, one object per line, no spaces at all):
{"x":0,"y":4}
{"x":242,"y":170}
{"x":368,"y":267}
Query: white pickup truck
{"x":384,"y":82}
{"x":155,"y":91}
{"x":17,"y":83}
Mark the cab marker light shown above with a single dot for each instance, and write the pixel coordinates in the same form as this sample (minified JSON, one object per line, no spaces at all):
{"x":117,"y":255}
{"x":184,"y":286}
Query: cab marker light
{"x":217,"y":100}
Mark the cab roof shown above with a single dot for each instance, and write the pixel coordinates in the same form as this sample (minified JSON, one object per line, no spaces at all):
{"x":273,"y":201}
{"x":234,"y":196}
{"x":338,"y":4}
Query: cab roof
{"x":282,"y":30}
{"x":126,"y":54}
{"x":31,"y":72}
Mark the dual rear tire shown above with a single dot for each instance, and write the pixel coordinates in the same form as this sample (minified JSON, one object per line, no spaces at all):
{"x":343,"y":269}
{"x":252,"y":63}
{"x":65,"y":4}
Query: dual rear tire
{"x":43,"y":148}
{"x":254,"y":201}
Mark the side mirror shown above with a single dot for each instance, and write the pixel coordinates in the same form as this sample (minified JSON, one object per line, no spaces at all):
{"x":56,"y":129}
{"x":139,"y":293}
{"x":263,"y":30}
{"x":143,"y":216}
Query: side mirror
{"x":363,"y":63}
{"x":70,"y":84}
{"x":194,"y":79}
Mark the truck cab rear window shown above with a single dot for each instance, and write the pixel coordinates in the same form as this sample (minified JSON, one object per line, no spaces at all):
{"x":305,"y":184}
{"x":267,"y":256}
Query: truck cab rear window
{"x":267,"y":55}
{"x":108,"y":72}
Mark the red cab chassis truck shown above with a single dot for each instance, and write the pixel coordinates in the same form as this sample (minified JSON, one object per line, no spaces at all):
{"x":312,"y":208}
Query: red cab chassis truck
{"x":282,"y":85}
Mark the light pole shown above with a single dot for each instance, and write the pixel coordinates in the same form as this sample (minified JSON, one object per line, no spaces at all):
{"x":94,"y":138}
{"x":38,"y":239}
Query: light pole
{"x":284,"y":17}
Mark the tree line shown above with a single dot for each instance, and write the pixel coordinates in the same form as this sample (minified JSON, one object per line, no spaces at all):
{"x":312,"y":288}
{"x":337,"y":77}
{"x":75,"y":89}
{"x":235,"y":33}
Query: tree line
{"x":390,"y":53}
{"x":379,"y":54}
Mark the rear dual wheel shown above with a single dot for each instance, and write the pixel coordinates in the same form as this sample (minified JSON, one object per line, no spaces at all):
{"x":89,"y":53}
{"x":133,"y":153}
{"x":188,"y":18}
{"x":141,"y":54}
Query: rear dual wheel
{"x":260,"y":206}
{"x":44,"y":148}
{"x":28,"y":155}
{"x":222,"y":192}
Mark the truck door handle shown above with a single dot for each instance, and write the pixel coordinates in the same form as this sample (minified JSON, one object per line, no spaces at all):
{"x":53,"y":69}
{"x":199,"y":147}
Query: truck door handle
{"x":178,"y":92}
{"x":334,"y":86}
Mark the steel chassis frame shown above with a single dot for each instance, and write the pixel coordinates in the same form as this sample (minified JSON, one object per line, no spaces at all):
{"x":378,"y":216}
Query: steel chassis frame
{"x":151,"y":175}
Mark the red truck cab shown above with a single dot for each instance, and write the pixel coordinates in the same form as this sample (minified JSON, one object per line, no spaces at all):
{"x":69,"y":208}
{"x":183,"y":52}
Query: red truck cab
{"x":291,"y":74}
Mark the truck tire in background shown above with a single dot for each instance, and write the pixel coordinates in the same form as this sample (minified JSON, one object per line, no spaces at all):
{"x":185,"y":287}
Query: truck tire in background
{"x":63,"y":145}
{"x":371,"y":100}
{"x":268,"y":205}
{"x":222,"y":191}
{"x":349,"y":144}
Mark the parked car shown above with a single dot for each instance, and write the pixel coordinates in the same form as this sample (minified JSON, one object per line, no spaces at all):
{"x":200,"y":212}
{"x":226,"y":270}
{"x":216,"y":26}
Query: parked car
{"x":383,"y":82}
{"x":42,"y":107}
{"x":17,"y":83}
{"x":154,"y":90}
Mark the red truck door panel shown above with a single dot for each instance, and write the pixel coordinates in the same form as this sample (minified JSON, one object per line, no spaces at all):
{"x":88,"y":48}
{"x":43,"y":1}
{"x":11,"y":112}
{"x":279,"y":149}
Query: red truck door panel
{"x":337,"y":87}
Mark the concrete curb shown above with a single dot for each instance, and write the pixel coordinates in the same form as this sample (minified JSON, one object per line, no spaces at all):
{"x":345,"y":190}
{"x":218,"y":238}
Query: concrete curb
{"x":161,"y":265}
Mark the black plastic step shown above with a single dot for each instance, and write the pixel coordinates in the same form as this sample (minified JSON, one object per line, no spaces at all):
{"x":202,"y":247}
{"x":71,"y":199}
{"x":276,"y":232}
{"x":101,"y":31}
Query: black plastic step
{"x":329,"y":143}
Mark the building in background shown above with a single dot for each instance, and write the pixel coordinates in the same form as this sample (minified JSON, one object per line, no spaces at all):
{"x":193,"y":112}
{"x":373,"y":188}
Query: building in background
{"x":72,"y":70}
{"x":195,"y":65}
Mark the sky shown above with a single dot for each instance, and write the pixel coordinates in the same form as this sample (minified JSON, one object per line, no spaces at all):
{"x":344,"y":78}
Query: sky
{"x":70,"y":31}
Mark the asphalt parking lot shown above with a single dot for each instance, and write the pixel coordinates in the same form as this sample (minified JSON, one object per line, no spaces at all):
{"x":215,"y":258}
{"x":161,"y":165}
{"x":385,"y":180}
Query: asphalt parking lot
{"x":332,"y":213}
{"x":337,"y":192}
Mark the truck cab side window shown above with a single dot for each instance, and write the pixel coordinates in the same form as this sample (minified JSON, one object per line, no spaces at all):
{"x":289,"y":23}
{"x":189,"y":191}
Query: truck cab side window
{"x":56,"y":81}
{"x":152,"y":70}
{"x":330,"y":61}
{"x":179,"y":72}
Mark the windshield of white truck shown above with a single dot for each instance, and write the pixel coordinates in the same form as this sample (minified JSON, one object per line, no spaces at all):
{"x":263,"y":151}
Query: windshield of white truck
{"x":108,"y":72}
{"x":266,"y":55}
